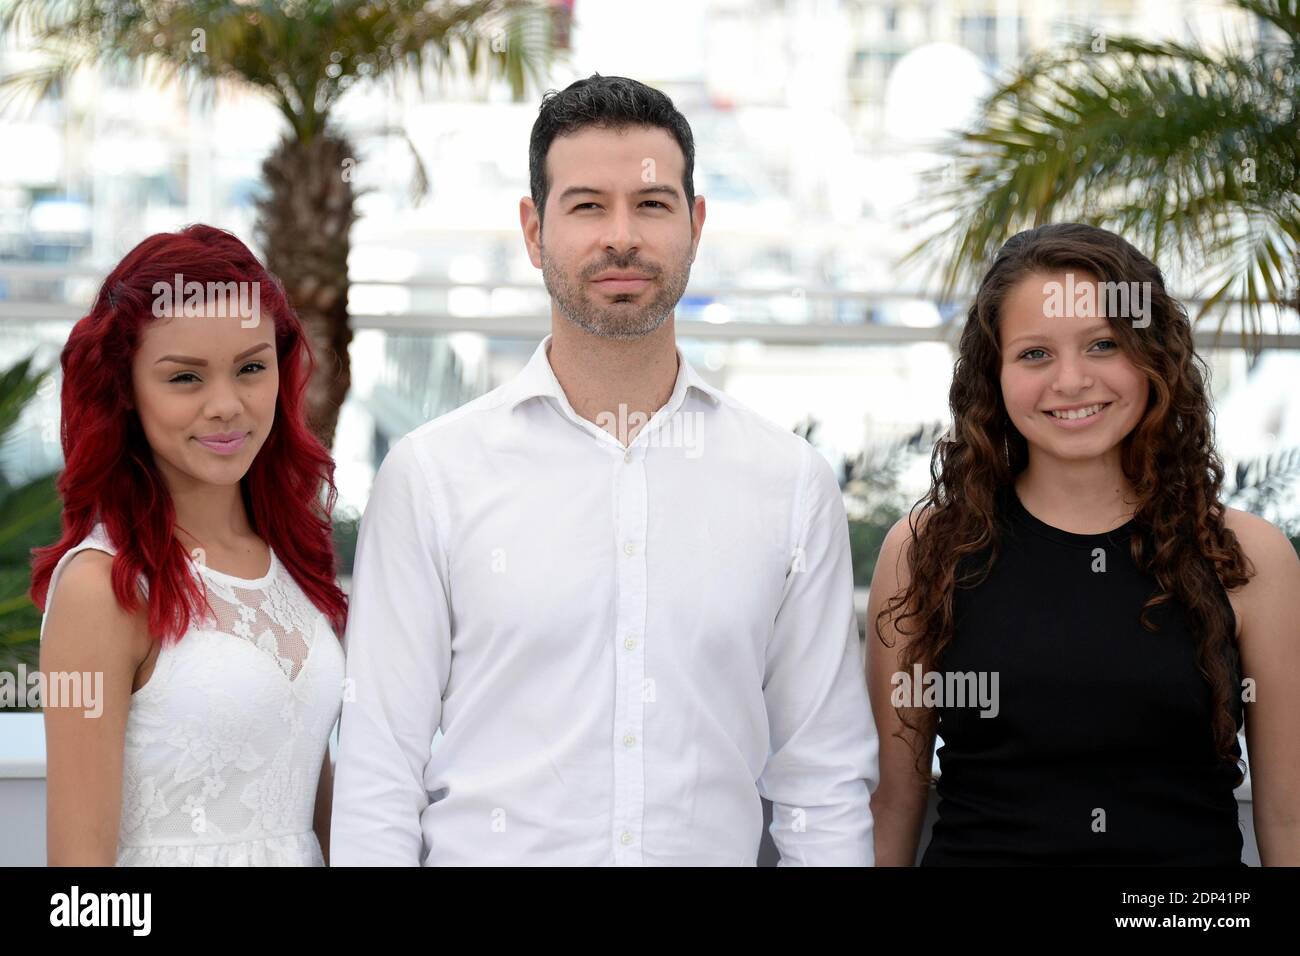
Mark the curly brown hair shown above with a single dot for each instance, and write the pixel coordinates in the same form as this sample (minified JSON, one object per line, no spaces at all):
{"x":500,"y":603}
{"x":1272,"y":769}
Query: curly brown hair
{"x":1169,"y":457}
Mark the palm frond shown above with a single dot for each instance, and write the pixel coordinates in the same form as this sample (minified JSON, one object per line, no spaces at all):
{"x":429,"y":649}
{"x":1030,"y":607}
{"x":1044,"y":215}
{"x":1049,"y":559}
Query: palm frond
{"x":304,"y":54}
{"x":1192,"y":154}
{"x":19,"y":384}
{"x":1258,"y":484}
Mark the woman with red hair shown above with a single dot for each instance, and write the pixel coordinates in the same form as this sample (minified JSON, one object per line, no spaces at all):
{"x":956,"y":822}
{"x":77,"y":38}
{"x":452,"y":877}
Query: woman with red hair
{"x":195,"y":574}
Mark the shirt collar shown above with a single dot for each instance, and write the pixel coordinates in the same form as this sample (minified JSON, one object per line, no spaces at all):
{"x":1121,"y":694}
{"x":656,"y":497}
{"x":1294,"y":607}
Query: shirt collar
{"x":538,"y":379}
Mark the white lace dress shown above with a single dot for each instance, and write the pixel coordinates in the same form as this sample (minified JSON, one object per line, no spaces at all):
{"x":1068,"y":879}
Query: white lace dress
{"x":224,"y":742}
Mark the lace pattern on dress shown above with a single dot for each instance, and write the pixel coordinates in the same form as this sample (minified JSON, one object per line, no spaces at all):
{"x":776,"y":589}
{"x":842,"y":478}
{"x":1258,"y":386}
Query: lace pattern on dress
{"x":269,"y":617}
{"x":222,"y":752}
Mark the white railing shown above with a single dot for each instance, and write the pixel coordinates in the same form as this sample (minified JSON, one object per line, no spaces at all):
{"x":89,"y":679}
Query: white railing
{"x":536,"y":323}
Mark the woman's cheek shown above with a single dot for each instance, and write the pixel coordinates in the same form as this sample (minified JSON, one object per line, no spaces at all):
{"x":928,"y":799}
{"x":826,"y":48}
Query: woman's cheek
{"x":265,"y":399}
{"x":1016,"y":395}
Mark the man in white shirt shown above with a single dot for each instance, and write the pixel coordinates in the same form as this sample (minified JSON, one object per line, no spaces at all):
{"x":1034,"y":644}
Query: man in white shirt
{"x":624,"y":599}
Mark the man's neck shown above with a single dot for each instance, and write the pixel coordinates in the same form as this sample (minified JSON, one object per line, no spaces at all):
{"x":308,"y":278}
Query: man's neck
{"x":599,"y":374}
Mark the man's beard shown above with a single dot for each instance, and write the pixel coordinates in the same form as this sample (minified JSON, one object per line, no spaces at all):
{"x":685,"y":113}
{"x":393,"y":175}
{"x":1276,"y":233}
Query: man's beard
{"x":620,"y":318}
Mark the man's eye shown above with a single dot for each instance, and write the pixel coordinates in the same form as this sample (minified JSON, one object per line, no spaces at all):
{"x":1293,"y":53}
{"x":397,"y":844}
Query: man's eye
{"x":651,"y":202}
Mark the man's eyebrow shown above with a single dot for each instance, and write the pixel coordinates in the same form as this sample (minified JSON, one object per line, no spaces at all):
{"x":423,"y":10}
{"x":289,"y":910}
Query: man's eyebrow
{"x":658,"y":189}
{"x":191,"y":360}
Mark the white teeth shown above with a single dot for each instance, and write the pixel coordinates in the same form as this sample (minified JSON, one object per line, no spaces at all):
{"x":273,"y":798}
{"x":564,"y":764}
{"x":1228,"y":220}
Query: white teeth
{"x":1079,"y":412}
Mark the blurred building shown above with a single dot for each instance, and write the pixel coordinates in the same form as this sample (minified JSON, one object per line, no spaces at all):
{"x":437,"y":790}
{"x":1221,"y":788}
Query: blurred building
{"x":813,"y":119}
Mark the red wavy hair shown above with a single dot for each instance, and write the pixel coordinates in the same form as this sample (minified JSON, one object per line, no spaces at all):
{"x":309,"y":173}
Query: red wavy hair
{"x":109,"y":473}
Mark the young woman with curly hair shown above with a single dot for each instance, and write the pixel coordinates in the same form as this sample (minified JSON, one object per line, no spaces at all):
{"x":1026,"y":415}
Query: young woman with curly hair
{"x":195,"y":573}
{"x":1073,"y":561}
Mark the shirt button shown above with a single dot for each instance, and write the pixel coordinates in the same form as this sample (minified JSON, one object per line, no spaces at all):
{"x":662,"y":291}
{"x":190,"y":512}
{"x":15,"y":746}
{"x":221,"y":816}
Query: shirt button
{"x":627,"y":458}
{"x":629,"y":549}
{"x":629,"y":741}
{"x":625,"y":838}
{"x":629,"y":642}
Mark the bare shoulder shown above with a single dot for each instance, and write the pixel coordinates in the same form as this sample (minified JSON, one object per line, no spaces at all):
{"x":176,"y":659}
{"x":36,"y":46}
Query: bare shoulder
{"x":88,"y":574}
{"x":903,"y":531}
{"x":891,"y":564}
{"x":1263,"y":543}
{"x":1268,"y":605}
{"x":83,"y":617}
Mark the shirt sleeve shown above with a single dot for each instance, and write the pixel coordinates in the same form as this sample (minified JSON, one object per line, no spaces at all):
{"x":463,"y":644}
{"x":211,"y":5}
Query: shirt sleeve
{"x":398,"y":647}
{"x":822,"y":766}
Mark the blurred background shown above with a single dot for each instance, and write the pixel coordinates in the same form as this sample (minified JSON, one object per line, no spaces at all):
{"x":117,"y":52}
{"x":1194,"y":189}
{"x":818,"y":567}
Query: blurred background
{"x":861,"y":161}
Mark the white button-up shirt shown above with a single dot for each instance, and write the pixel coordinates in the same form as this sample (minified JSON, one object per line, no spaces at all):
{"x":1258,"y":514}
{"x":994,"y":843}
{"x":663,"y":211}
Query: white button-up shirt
{"x":623,"y":647}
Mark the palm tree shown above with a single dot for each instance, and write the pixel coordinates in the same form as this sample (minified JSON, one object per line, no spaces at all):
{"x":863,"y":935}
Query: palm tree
{"x":29,"y":516}
{"x":1185,"y":151}
{"x":303,"y":56}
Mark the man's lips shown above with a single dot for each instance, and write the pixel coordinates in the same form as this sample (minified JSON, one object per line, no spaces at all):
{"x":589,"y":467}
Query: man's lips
{"x":622,"y":281}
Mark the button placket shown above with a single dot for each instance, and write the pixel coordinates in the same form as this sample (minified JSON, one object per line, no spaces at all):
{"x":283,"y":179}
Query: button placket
{"x":627,"y":732}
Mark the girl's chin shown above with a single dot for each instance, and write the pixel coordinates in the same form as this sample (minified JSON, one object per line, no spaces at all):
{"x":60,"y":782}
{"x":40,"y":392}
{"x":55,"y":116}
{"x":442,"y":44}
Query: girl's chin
{"x":231,"y":474}
{"x":207,"y":468}
{"x":1076,"y":448}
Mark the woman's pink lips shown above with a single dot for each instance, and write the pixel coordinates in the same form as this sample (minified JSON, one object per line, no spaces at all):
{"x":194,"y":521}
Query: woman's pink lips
{"x":223,"y":447}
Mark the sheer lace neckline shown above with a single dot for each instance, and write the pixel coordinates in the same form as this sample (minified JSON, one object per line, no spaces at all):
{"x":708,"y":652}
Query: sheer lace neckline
{"x":243,"y":582}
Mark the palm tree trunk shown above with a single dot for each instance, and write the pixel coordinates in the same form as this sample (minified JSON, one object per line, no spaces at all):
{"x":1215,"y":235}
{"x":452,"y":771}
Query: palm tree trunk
{"x":304,"y":226}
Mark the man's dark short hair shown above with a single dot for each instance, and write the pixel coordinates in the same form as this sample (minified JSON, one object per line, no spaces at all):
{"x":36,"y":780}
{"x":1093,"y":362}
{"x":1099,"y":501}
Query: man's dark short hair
{"x":609,"y":102}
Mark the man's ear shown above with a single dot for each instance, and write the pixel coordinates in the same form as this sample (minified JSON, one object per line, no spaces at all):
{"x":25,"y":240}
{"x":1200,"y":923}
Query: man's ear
{"x":698,"y":212}
{"x":531,"y":225}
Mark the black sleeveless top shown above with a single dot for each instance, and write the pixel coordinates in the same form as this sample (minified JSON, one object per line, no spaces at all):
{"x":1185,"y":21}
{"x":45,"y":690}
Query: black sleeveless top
{"x":1101,"y":751}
